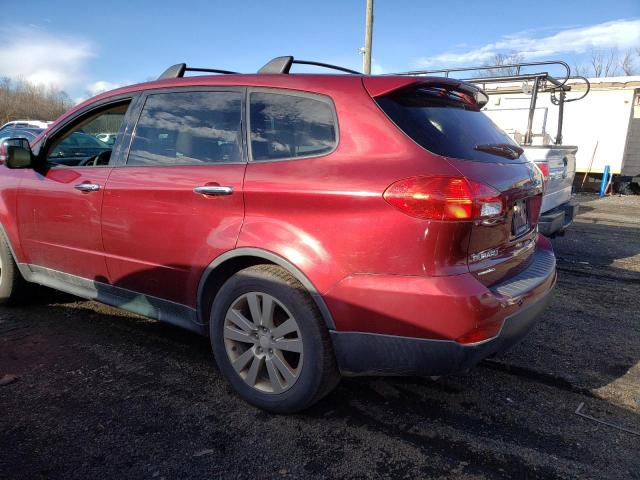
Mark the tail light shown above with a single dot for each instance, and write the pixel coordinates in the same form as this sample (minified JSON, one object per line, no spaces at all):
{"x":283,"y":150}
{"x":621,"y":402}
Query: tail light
{"x":444,"y":198}
{"x":480,"y":334}
{"x":3,"y":151}
{"x":544,"y":169}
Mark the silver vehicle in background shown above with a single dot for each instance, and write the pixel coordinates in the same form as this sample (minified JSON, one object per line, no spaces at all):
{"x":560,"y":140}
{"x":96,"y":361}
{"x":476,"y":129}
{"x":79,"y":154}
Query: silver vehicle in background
{"x":558,"y":164}
{"x":24,"y":124}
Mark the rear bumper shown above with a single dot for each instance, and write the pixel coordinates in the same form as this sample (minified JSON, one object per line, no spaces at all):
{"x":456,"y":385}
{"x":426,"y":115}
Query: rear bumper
{"x":427,"y":326}
{"x":372,"y":354}
{"x":557,"y":220}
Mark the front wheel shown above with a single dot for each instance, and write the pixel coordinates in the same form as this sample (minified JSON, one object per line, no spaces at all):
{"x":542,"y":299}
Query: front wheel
{"x":12,"y":285}
{"x":270,"y":341}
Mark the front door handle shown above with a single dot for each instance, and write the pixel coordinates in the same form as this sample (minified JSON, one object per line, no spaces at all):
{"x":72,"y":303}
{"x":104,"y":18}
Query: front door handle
{"x":87,"y":187}
{"x":213,"y":190}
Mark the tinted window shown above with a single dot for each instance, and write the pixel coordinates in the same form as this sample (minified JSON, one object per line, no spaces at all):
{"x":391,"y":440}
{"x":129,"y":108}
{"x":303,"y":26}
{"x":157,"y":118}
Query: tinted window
{"x":188,"y":128}
{"x":82,"y":141}
{"x":287,"y":126}
{"x":445,"y":122}
{"x":77,"y":145}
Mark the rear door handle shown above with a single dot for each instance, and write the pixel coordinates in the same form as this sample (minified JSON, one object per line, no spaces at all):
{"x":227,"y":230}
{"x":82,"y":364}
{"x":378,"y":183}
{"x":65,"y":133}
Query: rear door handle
{"x":87,"y":187}
{"x":213,"y":190}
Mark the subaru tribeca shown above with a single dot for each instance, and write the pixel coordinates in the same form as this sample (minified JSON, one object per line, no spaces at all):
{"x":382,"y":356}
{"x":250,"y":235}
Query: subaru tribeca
{"x":310,"y":225}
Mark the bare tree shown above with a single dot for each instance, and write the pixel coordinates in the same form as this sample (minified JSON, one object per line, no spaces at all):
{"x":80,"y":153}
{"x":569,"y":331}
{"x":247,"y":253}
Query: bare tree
{"x":580,"y":70}
{"x":610,"y":63}
{"x":20,"y":99}
{"x":500,"y":59}
{"x":597,"y":60}
{"x":604,"y":64}
{"x":628,"y":62}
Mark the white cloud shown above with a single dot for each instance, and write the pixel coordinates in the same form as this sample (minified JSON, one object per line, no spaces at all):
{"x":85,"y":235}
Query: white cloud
{"x":38,"y":57}
{"x":101,"y":86}
{"x":618,"y":33}
{"x":376,"y":68}
{"x":96,"y":88}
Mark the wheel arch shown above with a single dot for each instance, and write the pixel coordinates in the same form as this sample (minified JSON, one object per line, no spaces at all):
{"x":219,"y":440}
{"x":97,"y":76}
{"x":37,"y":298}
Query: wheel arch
{"x":232,"y":261}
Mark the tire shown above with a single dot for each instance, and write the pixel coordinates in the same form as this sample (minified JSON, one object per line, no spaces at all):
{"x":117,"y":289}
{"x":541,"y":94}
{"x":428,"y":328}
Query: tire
{"x":12,"y":285}
{"x":283,"y":357}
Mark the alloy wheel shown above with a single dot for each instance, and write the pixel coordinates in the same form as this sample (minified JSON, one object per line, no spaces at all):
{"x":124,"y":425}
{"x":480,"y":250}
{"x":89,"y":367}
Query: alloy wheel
{"x":263,"y":342}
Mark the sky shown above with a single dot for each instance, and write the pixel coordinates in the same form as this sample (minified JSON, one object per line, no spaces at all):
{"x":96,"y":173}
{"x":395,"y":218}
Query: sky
{"x":85,"y":47}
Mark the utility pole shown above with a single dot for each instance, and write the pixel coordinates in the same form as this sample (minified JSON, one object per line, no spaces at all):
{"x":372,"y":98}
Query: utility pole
{"x":368,"y":34}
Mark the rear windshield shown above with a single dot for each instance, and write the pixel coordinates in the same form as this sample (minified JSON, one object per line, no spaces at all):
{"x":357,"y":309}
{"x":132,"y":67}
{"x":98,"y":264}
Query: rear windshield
{"x":446,"y":122}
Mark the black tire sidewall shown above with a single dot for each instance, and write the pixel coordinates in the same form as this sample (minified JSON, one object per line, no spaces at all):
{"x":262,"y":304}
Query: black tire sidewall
{"x":7,"y":273}
{"x":306,"y":387}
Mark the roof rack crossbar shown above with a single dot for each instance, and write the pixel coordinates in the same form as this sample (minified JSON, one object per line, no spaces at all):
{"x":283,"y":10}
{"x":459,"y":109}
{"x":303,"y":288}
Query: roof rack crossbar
{"x":556,"y":84}
{"x":283,"y":65}
{"x":178,"y":70}
{"x":277,"y":65}
{"x":559,"y":84}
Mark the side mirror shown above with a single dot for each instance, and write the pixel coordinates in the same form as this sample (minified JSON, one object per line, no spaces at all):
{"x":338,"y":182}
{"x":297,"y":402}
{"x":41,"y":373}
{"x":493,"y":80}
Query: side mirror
{"x":16,"y":153}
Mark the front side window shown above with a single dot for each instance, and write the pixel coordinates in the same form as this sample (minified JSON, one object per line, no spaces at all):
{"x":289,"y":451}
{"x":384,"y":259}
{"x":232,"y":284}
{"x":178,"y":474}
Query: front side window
{"x":290,"y":126}
{"x":188,"y":128}
{"x":80,"y":146}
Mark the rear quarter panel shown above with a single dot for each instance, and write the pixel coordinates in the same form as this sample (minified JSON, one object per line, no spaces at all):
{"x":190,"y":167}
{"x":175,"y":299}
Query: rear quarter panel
{"x":327,"y":216}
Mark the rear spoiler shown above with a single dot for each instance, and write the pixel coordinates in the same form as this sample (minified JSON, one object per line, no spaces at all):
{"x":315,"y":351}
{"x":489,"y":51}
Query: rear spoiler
{"x":378,"y":86}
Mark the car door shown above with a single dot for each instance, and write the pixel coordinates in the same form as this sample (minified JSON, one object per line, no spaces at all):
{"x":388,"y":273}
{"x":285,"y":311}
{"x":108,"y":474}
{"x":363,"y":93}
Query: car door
{"x":60,"y":200}
{"x":176,"y":203}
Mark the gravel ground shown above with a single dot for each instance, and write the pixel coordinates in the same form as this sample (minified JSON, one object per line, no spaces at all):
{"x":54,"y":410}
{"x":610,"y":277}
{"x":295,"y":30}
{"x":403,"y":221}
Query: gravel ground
{"x":105,"y":394}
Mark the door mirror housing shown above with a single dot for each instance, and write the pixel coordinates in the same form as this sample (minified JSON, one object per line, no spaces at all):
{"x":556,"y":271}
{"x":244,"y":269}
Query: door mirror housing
{"x":16,"y":153}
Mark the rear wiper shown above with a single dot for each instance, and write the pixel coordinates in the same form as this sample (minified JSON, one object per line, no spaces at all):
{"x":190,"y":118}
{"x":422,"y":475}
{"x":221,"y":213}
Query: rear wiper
{"x":502,"y":149}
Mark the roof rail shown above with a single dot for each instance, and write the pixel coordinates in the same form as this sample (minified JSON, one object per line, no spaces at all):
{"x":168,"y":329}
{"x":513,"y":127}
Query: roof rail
{"x":275,"y":65}
{"x":283,"y":65}
{"x":178,"y":70}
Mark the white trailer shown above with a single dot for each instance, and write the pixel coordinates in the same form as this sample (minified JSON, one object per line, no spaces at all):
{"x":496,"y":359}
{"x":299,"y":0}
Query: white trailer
{"x":605,"y":125}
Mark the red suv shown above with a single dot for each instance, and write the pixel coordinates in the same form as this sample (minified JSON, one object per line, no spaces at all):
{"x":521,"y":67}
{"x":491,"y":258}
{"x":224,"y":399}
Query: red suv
{"x":311,"y":225}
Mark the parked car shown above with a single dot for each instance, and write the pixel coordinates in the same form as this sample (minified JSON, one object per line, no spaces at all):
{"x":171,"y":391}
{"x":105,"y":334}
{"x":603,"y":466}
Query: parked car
{"x":19,"y":136}
{"x":24,"y":124}
{"x":311,"y":225}
{"x":25,"y":133}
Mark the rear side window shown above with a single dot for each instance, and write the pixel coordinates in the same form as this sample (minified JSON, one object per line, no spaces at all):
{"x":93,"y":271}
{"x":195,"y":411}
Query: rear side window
{"x":290,"y":126}
{"x":446,"y":122}
{"x":188,"y":128}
